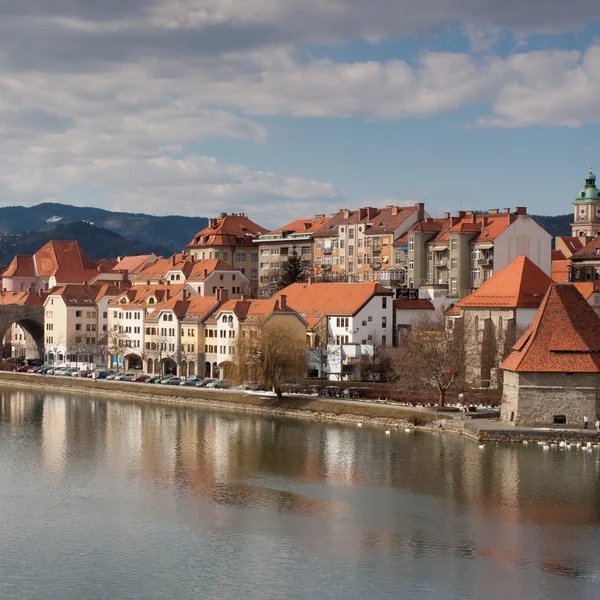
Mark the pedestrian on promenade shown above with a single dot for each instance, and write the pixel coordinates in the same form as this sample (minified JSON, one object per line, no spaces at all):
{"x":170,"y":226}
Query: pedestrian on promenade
{"x":598,"y":423}
{"x":585,"y":421}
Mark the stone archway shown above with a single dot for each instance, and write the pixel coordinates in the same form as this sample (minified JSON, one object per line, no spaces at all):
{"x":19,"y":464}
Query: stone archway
{"x":169,"y":366}
{"x":31,"y":320}
{"x":132,"y":362}
{"x":207,"y":369}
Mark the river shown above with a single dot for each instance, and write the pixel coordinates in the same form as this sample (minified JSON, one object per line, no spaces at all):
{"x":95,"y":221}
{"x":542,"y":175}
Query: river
{"x":102,"y":499}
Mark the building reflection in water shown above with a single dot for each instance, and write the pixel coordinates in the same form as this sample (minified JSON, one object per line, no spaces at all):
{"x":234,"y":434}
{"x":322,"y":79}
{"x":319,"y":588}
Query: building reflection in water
{"x":362,"y":496}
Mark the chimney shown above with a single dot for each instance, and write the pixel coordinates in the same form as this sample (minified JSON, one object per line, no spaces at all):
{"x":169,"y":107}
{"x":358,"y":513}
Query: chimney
{"x":205,"y":273}
{"x":222,"y":295}
{"x":469,"y":213}
{"x":485,"y":221}
{"x":173,"y":260}
{"x":167,"y":294}
{"x":506,"y":211}
{"x":446,"y":215}
{"x":473,"y":217}
{"x":184,"y":294}
{"x":222,"y":215}
{"x":321,"y":216}
{"x":244,"y":298}
{"x":493,"y":211}
{"x":428,"y":220}
{"x":345,"y":213}
{"x":521,"y":210}
{"x":371,"y":213}
{"x":461,"y":214}
{"x":454,"y":221}
{"x":100,"y":268}
{"x":283,"y":301}
{"x":362,"y":214}
{"x":125,"y":275}
{"x":395,"y":210}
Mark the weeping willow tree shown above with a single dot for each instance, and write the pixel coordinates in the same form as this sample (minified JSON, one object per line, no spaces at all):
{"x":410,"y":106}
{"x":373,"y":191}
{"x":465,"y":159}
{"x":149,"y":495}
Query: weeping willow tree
{"x":273,"y":354}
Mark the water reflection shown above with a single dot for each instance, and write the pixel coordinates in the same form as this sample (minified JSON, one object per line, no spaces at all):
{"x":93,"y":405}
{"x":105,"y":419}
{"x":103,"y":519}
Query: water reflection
{"x":339,"y":493}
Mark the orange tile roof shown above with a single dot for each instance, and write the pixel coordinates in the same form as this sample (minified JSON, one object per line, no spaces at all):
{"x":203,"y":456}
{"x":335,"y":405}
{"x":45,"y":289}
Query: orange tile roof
{"x":64,"y":276}
{"x":253,"y":311}
{"x":557,"y":255}
{"x":138,"y":296}
{"x":228,"y":230}
{"x":20,"y":266}
{"x":560,"y":270}
{"x":158,"y":270}
{"x":313,"y":301}
{"x":203,"y":268}
{"x":453,"y":311}
{"x":586,"y":288}
{"x":377,"y":220}
{"x":304,"y":225}
{"x":572,"y":243}
{"x":77,"y":295}
{"x":564,"y":336}
{"x":132,"y":264}
{"x":23,"y":298}
{"x":109,"y":289}
{"x":191,"y":309}
{"x":521,"y":284}
{"x":60,"y":254}
{"x":419,"y":304}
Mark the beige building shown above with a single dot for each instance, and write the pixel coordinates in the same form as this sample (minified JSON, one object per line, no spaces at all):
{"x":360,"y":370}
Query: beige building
{"x":275,"y":247}
{"x":460,"y":253}
{"x":355,"y":245}
{"x":230,"y":238}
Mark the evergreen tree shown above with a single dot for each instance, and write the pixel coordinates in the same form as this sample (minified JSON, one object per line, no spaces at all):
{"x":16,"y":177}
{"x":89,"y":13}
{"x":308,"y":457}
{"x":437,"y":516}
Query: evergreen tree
{"x":292,"y":271}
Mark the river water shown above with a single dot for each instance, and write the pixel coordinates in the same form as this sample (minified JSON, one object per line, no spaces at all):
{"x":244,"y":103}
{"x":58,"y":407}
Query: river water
{"x":102,"y":499}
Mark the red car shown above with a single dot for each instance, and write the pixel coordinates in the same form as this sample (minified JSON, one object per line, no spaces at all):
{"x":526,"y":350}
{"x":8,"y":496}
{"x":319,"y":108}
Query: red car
{"x":141,"y":378}
{"x":22,"y":369}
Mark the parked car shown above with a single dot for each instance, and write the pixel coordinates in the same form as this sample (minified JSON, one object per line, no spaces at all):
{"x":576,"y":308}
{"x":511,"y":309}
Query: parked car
{"x":141,"y":378}
{"x":257,"y":386}
{"x":174,"y":381}
{"x":205,"y":382}
{"x":102,"y":374}
{"x":129,"y":376}
{"x":220,"y":384}
{"x":23,"y":369}
{"x":165,"y":379}
{"x":154,"y":379}
{"x":192,"y":381}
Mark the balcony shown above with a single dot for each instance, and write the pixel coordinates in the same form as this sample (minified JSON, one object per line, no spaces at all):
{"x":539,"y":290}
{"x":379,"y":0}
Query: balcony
{"x":441,"y":264}
{"x":376,"y":266}
{"x":376,"y":249}
{"x":486,"y":261}
{"x":325,"y":267}
{"x":327,"y":250}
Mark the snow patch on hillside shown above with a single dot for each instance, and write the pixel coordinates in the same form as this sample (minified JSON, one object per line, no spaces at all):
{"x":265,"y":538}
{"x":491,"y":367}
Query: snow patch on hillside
{"x":54,"y":220}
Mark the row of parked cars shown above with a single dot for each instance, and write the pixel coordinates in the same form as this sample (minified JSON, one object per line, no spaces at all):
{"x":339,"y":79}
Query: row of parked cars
{"x":134,"y":377}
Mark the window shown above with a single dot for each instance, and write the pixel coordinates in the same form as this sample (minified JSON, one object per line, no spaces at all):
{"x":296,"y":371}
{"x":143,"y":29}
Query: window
{"x":453,"y":263}
{"x":474,"y":273}
{"x":274,"y":251}
{"x":453,"y":284}
{"x":342,"y":261}
{"x":240,"y":256}
{"x":305,"y":251}
{"x":453,"y":244}
{"x":364,"y":323}
{"x":78,"y":313}
{"x":49,"y":327}
{"x":384,"y":302}
{"x":225,"y":256}
{"x":351,"y":234}
{"x":342,"y":242}
{"x":350,"y":250}
{"x":383,"y":340}
{"x":341,"y":321}
{"x":411,"y":264}
{"x":78,"y":327}
{"x":264,"y":252}
{"x":474,"y":254}
{"x":411,"y":243}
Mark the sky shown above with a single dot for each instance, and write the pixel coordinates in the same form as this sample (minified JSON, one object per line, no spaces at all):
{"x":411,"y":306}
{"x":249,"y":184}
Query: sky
{"x":288,"y":108}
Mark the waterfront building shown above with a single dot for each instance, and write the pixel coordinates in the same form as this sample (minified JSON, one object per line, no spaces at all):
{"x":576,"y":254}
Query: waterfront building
{"x":553,"y":372}
{"x":236,"y":318}
{"x":230,"y":238}
{"x":458,"y":254}
{"x":497,"y":313}
{"x":346,"y":323}
{"x":275,"y":247}
{"x":354,"y":245}
{"x":407,"y":311}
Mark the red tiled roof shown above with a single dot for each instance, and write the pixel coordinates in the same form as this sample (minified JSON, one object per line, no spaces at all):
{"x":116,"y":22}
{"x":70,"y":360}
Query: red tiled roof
{"x":77,"y":295}
{"x":138,"y":296}
{"x":564,"y":336}
{"x":558,"y":255}
{"x":521,"y":284}
{"x":23,"y":298}
{"x":60,"y":254}
{"x":253,"y":311}
{"x":590,"y":250}
{"x":20,"y":266}
{"x":586,"y":288}
{"x":315,"y":300}
{"x":303,"y":225}
{"x":228,"y":230}
{"x":203,"y":268}
{"x":453,"y":311}
{"x":132,"y":264}
{"x":560,"y":270}
{"x":572,"y":243}
{"x":419,"y":304}
{"x":64,"y":276}
{"x":376,"y":220}
{"x":158,"y":270}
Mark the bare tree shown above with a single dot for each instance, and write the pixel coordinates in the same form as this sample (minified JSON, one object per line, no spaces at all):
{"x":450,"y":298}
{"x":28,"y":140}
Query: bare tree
{"x":432,"y":356}
{"x":114,"y":341}
{"x":376,"y":360}
{"x":272,"y":354}
{"x":323,"y":350}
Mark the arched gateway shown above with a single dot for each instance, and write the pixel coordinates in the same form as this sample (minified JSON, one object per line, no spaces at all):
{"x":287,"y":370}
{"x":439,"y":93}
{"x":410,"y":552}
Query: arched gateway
{"x":29,"y":315}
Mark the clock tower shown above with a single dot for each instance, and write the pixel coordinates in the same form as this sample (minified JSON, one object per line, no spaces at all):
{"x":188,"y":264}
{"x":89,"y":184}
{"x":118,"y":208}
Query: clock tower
{"x":586,"y":222}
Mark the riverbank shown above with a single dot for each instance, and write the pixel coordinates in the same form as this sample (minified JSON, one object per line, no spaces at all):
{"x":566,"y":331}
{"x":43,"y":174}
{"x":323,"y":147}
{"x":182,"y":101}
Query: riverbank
{"x":324,"y":409}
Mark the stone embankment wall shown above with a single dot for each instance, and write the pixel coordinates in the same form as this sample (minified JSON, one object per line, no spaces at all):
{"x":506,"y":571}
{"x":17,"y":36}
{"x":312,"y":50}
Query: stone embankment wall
{"x":572,"y":436}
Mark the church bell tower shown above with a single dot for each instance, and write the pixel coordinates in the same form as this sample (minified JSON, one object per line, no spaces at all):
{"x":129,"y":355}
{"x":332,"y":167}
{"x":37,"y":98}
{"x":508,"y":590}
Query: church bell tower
{"x":586,"y":221}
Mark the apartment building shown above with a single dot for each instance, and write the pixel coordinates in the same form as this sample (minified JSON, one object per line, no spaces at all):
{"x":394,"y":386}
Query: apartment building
{"x":71,"y":327}
{"x":354,"y":245}
{"x":174,"y":342}
{"x":125,"y":333}
{"x":345,"y":322}
{"x":275,"y":247}
{"x":230,"y":238}
{"x":224,"y":329}
{"x":460,"y":253}
{"x":205,"y":276}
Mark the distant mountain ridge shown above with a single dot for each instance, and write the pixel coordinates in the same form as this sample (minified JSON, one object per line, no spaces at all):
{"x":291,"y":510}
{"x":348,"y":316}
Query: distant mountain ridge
{"x":172,"y":233}
{"x":97,"y":243}
{"x":558,"y":225}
